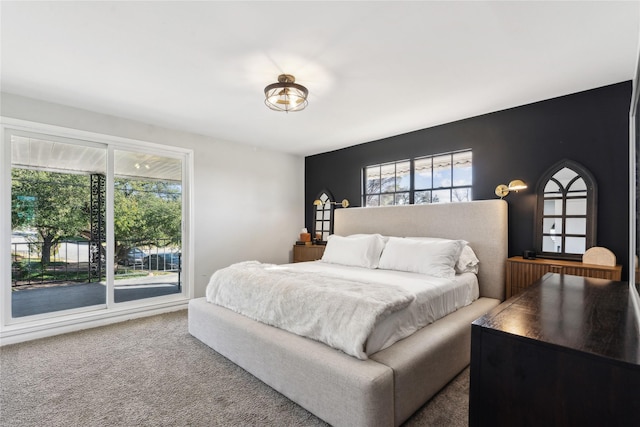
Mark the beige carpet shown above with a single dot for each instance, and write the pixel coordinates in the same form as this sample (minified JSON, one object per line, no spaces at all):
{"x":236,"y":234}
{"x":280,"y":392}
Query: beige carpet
{"x":151,"y":372}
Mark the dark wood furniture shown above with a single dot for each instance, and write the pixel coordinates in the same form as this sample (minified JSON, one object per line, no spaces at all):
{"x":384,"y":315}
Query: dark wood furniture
{"x":302,"y":253}
{"x":565,"y":352}
{"x":521,"y":272}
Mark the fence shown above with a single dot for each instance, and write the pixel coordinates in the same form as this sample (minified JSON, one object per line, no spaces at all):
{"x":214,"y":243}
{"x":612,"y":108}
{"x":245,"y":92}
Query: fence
{"x":69,"y":262}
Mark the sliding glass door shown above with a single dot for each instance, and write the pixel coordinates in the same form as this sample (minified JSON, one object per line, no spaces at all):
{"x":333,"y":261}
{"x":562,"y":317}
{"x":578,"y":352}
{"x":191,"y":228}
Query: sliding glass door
{"x":57,"y":224}
{"x":147,"y":225}
{"x":94,"y":225}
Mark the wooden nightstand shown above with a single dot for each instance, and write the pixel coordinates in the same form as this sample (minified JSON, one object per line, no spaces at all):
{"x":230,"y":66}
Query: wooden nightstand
{"x":302,"y":253}
{"x":521,"y":273}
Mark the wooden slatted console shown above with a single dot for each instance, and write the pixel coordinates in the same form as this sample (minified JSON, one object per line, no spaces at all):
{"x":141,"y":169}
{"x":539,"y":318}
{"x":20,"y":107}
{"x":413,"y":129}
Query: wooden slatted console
{"x":521,"y":273}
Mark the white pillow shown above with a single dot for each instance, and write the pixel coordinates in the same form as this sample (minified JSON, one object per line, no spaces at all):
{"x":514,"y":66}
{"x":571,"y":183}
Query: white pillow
{"x":356,"y":251}
{"x":384,"y":238}
{"x":432,"y":257}
{"x":468,"y":261}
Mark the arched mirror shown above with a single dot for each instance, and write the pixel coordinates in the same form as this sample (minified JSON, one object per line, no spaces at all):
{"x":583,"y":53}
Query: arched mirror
{"x":566,"y":211}
{"x":323,"y":216}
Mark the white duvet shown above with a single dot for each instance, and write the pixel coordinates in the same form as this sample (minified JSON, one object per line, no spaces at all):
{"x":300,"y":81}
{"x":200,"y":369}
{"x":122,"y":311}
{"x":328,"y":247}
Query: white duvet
{"x":357,"y":310}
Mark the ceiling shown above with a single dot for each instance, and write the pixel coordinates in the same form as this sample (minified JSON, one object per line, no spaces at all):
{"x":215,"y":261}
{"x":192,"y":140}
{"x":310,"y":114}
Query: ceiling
{"x":57,"y":156}
{"x":373,"y":69}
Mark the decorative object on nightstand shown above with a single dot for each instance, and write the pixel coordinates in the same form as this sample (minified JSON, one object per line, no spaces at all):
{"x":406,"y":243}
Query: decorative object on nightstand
{"x":521,"y":273}
{"x":305,"y":236}
{"x":599,"y":256}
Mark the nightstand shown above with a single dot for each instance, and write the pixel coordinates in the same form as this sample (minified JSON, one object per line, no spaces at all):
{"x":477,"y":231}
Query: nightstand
{"x":521,"y":273}
{"x":302,"y":253}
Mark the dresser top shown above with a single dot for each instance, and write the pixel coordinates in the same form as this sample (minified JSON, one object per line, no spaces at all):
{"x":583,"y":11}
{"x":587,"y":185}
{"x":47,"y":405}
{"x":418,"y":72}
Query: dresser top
{"x":578,"y":313}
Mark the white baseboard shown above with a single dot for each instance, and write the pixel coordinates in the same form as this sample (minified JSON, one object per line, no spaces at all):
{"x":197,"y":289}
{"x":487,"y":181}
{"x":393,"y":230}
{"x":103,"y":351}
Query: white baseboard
{"x":26,"y":331}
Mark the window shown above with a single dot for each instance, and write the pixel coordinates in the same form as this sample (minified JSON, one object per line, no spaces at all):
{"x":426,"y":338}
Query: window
{"x":96,"y":225}
{"x":442,"y":178}
{"x":148,"y":222}
{"x":57,"y":223}
{"x":565,"y":216}
{"x":388,"y":184}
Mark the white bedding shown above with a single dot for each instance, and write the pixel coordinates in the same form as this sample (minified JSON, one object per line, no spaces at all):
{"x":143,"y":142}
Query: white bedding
{"x":339,"y":312}
{"x":419,"y":301}
{"x":434,"y":298}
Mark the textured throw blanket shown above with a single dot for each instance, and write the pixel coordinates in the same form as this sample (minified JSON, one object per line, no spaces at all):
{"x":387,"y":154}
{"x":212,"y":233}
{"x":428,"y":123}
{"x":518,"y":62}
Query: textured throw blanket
{"x":338,"y":312}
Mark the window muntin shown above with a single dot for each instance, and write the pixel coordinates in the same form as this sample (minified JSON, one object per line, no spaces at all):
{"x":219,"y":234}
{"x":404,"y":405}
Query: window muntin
{"x":442,"y":178}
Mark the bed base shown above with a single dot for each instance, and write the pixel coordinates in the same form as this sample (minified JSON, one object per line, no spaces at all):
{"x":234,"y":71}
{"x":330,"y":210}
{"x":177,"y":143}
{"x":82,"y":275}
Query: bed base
{"x":384,"y":390}
{"x":393,"y":383}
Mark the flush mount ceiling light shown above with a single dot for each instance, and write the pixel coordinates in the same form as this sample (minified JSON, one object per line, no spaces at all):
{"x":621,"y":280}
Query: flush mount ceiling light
{"x":286,"y":95}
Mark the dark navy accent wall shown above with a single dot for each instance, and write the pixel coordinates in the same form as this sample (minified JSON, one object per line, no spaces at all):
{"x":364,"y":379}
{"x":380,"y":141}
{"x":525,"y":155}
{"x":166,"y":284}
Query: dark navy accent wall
{"x":591,"y":128}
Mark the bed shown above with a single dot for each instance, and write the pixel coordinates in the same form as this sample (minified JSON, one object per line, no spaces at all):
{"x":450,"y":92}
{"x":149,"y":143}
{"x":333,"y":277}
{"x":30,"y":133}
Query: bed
{"x":391,"y":384}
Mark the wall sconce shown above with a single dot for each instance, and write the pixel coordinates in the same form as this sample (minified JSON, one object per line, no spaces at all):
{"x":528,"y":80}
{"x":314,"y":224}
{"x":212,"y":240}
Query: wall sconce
{"x":515,"y":185}
{"x":344,"y":203}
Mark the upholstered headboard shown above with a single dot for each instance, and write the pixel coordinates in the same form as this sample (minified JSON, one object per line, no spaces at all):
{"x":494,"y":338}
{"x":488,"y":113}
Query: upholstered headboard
{"x":482,"y":223}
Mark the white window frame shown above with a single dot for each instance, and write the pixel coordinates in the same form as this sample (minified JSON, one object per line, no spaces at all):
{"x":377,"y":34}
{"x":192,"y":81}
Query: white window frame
{"x":29,"y":327}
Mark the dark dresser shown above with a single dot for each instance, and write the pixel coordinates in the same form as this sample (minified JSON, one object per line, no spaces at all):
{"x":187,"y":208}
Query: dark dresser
{"x":564,"y":352}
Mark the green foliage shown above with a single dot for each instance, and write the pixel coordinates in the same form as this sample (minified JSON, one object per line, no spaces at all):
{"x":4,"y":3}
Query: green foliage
{"x":22,"y":269}
{"x":52,"y":203}
{"x":147,"y":211}
{"x":56,"y":205}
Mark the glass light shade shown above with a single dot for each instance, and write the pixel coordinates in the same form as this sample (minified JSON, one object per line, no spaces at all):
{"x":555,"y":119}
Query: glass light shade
{"x":516,"y":185}
{"x":286,"y":95}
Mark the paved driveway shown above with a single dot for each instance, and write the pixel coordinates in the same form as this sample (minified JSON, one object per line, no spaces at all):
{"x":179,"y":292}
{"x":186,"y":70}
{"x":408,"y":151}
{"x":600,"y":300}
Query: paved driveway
{"x":28,"y":302}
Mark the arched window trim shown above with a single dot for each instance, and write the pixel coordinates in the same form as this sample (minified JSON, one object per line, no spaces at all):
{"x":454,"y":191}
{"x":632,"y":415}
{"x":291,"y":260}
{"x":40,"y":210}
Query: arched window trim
{"x":592,"y":203}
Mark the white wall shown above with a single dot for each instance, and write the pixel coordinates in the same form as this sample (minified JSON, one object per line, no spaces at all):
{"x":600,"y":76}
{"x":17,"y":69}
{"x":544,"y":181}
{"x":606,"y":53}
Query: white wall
{"x":248,"y":202}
